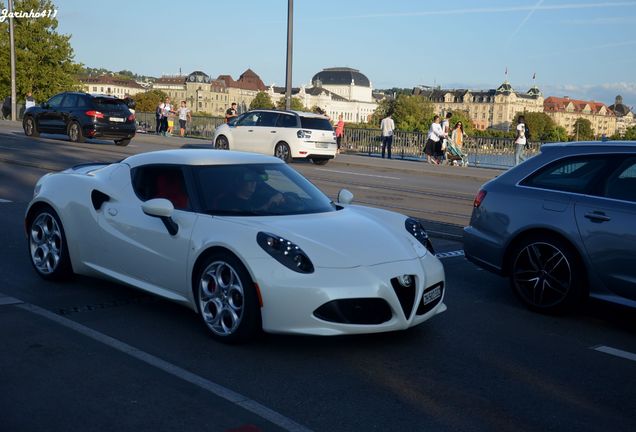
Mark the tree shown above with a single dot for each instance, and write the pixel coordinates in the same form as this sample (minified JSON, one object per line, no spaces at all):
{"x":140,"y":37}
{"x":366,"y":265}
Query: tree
{"x":261,"y":101}
{"x":148,"y":101}
{"x":296,"y":104}
{"x":464,"y":118}
{"x":583,"y":130}
{"x":541,"y":125}
{"x":412,"y":113}
{"x":385,"y":107}
{"x":44,"y":58}
{"x":630,"y":134}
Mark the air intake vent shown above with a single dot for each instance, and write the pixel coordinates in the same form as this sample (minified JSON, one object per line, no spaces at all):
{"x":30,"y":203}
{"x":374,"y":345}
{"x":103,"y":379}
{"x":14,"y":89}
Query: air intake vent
{"x":405,"y":294}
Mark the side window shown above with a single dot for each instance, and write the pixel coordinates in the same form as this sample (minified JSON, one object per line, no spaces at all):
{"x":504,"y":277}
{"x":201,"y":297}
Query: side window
{"x":267,"y":119}
{"x":56,"y":101}
{"x":250,"y":119}
{"x":621,"y":184}
{"x":161,"y":181}
{"x":82,"y":102}
{"x":286,"y":121}
{"x":70,"y":101}
{"x":575,"y":174}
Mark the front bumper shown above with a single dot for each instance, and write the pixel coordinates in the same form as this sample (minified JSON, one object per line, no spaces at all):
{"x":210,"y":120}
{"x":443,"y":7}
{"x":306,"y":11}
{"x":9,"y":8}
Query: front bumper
{"x":290,"y":299}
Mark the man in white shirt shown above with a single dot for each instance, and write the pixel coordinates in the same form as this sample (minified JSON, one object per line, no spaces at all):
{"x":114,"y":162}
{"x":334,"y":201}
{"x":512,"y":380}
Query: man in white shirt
{"x":387,"y":125}
{"x":29,"y":102}
{"x":520,"y":140}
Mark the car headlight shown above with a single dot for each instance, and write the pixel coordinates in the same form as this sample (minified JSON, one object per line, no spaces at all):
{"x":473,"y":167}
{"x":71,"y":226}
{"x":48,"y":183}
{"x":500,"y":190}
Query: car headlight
{"x":416,"y":229}
{"x":285,"y":252}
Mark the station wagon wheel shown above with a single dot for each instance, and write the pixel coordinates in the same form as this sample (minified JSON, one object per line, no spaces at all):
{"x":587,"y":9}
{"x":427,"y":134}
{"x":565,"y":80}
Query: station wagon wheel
{"x":282,"y":151}
{"x":29,"y":127}
{"x":226,"y":299}
{"x":546,"y":274}
{"x":222,"y":143}
{"x":47,"y":245}
{"x":122,"y":142}
{"x":75,"y":132}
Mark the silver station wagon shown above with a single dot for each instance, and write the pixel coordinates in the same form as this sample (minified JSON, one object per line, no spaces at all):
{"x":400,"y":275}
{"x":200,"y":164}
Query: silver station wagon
{"x":561,"y":226}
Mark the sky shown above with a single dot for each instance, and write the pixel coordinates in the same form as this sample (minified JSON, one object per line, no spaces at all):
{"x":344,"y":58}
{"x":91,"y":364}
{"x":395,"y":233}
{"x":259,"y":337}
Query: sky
{"x":578,"y":48}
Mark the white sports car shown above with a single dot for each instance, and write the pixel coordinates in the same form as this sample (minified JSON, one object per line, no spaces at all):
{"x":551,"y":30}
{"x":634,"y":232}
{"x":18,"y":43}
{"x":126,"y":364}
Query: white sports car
{"x":241,"y":238}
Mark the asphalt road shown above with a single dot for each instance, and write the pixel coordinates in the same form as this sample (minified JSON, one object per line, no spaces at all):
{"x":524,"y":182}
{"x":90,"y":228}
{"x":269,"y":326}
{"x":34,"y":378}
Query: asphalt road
{"x":94,"y":355}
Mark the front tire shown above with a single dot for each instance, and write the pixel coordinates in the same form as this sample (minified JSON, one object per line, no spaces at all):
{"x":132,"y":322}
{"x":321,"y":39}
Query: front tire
{"x":282,"y":151}
{"x":48,"y":248}
{"x":30,"y":129}
{"x":546,"y":274}
{"x":222,"y":143}
{"x":226,"y":299}
{"x":122,"y":143}
{"x":75,"y":133}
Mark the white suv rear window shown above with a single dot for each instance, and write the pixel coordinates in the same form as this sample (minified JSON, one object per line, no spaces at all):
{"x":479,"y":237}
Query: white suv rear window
{"x":315,"y":123}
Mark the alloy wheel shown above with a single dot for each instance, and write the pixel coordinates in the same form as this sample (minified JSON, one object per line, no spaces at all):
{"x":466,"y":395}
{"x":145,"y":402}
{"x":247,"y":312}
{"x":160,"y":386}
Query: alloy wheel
{"x":542,"y":275}
{"x":282,"y":152}
{"x":221,"y":298}
{"x":45,"y":242}
{"x":29,"y":126}
{"x":74,"y":132}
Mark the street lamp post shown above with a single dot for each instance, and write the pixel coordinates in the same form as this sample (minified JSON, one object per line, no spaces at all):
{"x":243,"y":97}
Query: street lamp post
{"x":12,"y":43}
{"x":290,"y":34}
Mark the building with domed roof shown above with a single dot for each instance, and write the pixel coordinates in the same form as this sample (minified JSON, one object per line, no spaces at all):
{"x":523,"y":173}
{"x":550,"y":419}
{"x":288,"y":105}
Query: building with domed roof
{"x":494,"y":108}
{"x":336,"y":91}
{"x":624,"y":115}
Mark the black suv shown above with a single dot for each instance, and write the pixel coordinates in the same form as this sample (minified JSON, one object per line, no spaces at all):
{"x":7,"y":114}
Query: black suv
{"x":81,"y":116}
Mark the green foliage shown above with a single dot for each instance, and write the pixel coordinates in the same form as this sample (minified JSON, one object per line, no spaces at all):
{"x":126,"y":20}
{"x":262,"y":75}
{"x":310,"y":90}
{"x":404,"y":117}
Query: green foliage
{"x":462,"y":116}
{"x":385,"y":107}
{"x":558,"y":134}
{"x":542,"y":127}
{"x":44,"y":58}
{"x":630,"y":134}
{"x":412,"y":113}
{"x":296,"y":104}
{"x":583,"y":130}
{"x":262,"y":101}
{"x":396,"y":91}
{"x":148,"y":101}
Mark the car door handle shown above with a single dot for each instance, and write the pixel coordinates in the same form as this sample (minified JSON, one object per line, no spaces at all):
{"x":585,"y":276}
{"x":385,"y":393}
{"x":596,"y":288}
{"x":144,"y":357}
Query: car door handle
{"x":250,"y":130}
{"x":272,"y":131}
{"x":597,"y":217}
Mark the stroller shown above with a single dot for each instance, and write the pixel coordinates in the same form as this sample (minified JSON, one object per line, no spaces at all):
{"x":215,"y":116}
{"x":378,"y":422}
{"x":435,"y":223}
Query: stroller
{"x":455,"y":156}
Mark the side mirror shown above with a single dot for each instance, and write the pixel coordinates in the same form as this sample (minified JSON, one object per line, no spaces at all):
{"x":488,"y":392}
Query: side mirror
{"x":45,"y":105}
{"x":345,"y":197}
{"x":162,"y":209}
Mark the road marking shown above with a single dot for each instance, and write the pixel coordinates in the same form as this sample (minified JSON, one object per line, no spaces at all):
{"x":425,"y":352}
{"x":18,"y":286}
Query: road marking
{"x":360,"y":174}
{"x":5,"y":200}
{"x":212,"y":387}
{"x":615,"y":352}
{"x":452,"y":254}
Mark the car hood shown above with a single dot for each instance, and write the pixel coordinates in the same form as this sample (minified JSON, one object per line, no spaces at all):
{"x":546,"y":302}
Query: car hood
{"x":342,"y":239}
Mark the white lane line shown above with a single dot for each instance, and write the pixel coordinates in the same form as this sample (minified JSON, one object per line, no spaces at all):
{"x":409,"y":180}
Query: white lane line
{"x":5,"y":200}
{"x":360,"y":174}
{"x":212,"y":387}
{"x":452,"y":254}
{"x":615,"y":352}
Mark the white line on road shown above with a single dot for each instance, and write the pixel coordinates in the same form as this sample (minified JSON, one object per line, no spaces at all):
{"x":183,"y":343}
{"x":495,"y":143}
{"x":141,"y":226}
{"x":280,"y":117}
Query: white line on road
{"x":451,"y":254}
{"x":5,"y":200}
{"x":360,"y":174}
{"x":615,"y":352}
{"x":210,"y":386}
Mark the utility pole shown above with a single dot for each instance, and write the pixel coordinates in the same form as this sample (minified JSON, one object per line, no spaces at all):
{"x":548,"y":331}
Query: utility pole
{"x":12,"y":43}
{"x":290,"y":43}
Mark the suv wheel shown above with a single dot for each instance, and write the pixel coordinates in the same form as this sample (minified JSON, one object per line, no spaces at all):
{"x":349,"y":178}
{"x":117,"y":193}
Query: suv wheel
{"x":282,"y":151}
{"x":123,"y":142}
{"x":222,"y":143}
{"x":30,"y":129}
{"x":75,"y":132}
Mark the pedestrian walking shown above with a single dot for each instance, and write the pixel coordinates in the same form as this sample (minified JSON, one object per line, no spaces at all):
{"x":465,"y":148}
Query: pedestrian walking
{"x":434,"y":139}
{"x":446,"y":129}
{"x":166,"y":110}
{"x":231,"y":113}
{"x":158,"y":119}
{"x":339,"y":131}
{"x":29,"y":101}
{"x":521,"y":140}
{"x":6,"y":107}
{"x":184,"y":116}
{"x":388,"y":126}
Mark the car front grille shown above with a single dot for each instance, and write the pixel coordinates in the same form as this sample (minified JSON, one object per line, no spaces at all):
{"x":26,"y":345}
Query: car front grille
{"x":365,"y":311}
{"x":406,"y":295}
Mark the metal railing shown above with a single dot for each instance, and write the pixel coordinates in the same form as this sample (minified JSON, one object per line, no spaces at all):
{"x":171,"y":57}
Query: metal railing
{"x":481,"y":151}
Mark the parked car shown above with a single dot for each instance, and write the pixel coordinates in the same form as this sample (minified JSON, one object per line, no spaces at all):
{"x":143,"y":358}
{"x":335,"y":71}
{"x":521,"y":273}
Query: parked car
{"x":81,"y":116}
{"x":285,"y":134}
{"x":242,"y":239}
{"x":561,"y":225}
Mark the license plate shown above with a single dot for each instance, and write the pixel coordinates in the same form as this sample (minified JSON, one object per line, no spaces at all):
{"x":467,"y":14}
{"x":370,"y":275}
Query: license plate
{"x":117,"y":119}
{"x":432,"y":295}
{"x":322,"y":145}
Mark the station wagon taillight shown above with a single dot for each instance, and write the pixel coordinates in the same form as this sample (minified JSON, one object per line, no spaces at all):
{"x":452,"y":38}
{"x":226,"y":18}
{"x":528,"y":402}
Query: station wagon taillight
{"x":131,"y":117}
{"x":94,"y":114}
{"x":479,"y":198}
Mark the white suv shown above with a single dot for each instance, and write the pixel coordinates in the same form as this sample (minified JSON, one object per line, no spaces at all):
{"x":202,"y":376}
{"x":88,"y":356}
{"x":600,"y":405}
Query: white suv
{"x":284,"y":134}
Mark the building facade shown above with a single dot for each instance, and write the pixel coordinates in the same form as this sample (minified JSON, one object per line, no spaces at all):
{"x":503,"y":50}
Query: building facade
{"x":112,"y":86}
{"x":624,"y":116}
{"x":565,"y":112}
{"x":201,"y":93}
{"x":243,"y":90}
{"x":495,"y":108}
{"x":336,"y":91}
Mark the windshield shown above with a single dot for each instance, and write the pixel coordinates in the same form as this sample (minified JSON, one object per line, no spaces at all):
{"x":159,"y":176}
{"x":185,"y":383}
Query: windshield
{"x":318,"y":123}
{"x":258,"y":190}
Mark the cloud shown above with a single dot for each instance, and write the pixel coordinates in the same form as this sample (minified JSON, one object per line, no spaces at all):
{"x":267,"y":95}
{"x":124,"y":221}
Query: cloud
{"x":523,"y":22}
